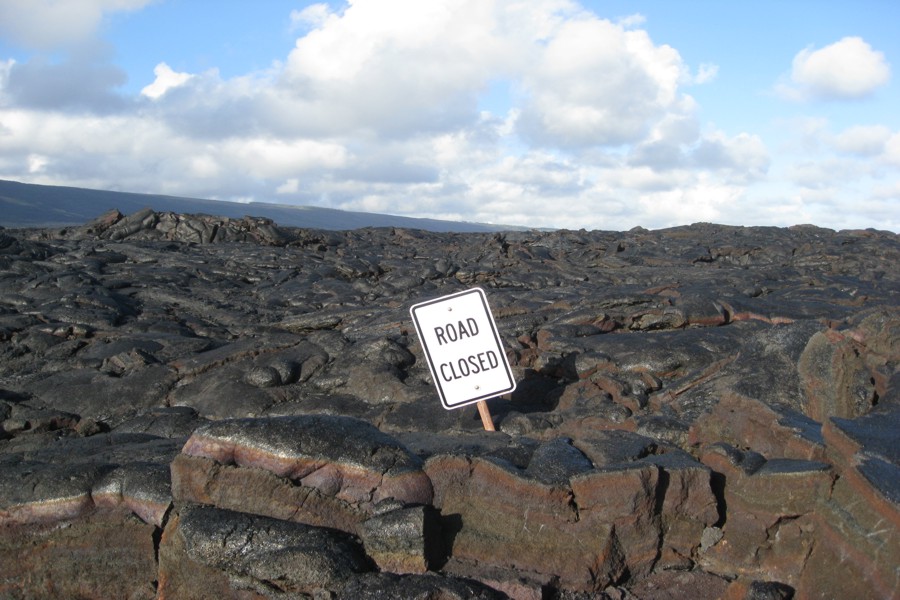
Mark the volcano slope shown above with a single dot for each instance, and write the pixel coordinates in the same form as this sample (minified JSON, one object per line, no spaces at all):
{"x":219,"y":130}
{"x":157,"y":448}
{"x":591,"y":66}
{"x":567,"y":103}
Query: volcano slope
{"x":200,"y":407}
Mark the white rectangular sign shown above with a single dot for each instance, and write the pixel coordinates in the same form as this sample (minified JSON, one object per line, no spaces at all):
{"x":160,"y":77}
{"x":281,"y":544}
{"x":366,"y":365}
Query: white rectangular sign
{"x":464,"y":352}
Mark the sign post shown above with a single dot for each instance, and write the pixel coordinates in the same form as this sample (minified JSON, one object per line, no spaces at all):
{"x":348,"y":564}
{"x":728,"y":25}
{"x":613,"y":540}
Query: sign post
{"x":463,"y":349}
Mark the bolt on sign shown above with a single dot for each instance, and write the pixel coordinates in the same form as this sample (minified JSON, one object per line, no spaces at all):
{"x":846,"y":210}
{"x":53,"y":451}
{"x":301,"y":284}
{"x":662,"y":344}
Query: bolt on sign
{"x":464,"y":352}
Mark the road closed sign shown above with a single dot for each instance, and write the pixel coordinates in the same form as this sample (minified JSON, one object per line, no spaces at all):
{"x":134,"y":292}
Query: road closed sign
{"x":464,"y":352}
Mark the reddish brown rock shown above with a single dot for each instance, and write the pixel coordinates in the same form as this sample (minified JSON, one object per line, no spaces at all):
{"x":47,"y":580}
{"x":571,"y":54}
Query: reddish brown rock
{"x":834,"y":377}
{"x":498,"y":517}
{"x":322,"y":470}
{"x":678,"y":585}
{"x":857,"y":551}
{"x":846,"y":372}
{"x":625,"y":499}
{"x":101,"y":554}
{"x":770,"y":527}
{"x":745,"y":422}
{"x":259,"y":492}
{"x":858,"y":526}
{"x":588,"y":529}
{"x":688,"y":507}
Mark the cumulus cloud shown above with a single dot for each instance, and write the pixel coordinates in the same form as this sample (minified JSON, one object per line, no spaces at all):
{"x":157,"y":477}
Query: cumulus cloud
{"x":412,"y":66}
{"x":50,"y":24}
{"x":595,"y":83}
{"x":582,"y":80}
{"x":631,"y":21}
{"x":166,"y":79}
{"x":848,"y":69}
{"x":83,"y":80}
{"x":276,"y":159}
{"x":863,"y":140}
{"x":72,"y":69}
{"x":381,"y":106}
{"x":314,"y":15}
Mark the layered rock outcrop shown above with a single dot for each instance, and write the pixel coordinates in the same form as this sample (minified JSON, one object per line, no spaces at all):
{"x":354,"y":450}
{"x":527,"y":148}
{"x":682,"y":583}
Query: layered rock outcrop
{"x":194,"y":407}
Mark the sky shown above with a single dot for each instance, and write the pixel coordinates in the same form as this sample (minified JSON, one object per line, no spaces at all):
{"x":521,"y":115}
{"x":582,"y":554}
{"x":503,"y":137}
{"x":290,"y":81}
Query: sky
{"x":539,"y":113}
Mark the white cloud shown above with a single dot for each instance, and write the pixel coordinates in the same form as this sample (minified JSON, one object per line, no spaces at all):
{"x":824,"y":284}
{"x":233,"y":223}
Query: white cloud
{"x":705,"y":199}
{"x":203,"y":166}
{"x":418,"y":66}
{"x":706,"y":73}
{"x":743,"y":157}
{"x":380,"y":106}
{"x":48,"y":24}
{"x":882,"y":206}
{"x":632,"y":21}
{"x":290,"y":186}
{"x":139,"y":154}
{"x":892,"y":150}
{"x":84,"y":79}
{"x":595,"y":83}
{"x":863,"y":140}
{"x":845,"y":70}
{"x":823,"y":174}
{"x":314,"y":15}
{"x":166,"y":79}
{"x":37,"y":163}
{"x":396,"y":67}
{"x":823,"y":158}
{"x":276,"y":159}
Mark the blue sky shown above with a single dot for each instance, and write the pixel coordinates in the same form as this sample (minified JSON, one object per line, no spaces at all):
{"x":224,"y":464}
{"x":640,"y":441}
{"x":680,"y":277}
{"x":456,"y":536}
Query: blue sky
{"x":548,"y":113}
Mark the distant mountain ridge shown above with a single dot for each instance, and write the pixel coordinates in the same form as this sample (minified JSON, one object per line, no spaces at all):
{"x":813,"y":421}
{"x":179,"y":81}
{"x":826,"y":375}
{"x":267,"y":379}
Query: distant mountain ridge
{"x":25,"y":205}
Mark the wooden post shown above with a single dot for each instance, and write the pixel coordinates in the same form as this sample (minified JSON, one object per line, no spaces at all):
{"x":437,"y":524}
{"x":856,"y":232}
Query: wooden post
{"x":486,"y":418}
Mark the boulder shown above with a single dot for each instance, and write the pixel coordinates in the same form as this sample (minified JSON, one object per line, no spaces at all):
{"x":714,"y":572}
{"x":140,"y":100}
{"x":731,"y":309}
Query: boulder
{"x":207,"y":552}
{"x":317,"y":469}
